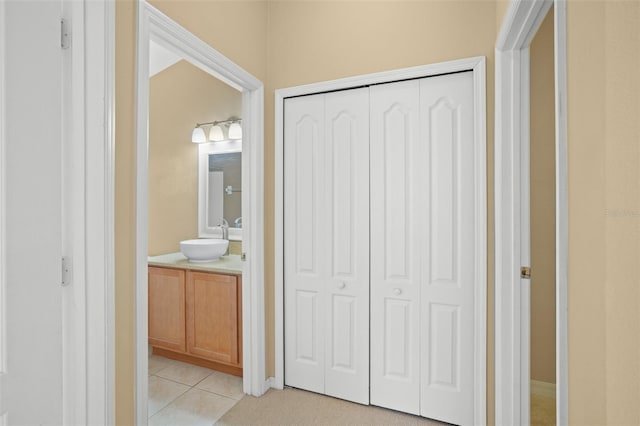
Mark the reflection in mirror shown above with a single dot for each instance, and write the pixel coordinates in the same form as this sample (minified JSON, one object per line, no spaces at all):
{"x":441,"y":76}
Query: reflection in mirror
{"x":228,"y":168}
{"x":220,"y":189}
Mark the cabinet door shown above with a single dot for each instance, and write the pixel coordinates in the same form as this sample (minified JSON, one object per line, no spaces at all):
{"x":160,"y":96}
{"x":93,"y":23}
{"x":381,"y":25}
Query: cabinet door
{"x":166,"y":308}
{"x":213,"y":312}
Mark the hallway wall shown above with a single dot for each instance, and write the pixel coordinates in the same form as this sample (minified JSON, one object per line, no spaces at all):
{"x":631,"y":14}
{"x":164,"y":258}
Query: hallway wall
{"x":603,"y":42}
{"x":291,"y":43}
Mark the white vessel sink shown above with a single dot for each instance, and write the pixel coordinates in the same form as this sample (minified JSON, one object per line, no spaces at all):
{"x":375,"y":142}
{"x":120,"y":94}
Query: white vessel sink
{"x":204,"y":249}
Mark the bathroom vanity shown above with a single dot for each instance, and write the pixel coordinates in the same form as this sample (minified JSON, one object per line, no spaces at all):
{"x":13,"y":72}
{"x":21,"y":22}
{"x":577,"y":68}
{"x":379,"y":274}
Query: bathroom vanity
{"x":195,"y":311}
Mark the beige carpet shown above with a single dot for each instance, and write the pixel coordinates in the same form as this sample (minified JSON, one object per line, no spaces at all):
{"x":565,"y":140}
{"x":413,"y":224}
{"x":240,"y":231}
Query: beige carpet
{"x":543,"y":411}
{"x":297,"y":407}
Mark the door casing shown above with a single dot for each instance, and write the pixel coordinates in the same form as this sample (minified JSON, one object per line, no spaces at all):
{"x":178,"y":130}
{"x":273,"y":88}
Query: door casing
{"x":475,"y":64}
{"x":512,"y":234}
{"x":154,"y":25}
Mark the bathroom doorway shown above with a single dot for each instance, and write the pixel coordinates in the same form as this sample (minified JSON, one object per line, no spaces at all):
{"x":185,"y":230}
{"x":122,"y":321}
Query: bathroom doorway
{"x":195,"y":193}
{"x":159,"y":190}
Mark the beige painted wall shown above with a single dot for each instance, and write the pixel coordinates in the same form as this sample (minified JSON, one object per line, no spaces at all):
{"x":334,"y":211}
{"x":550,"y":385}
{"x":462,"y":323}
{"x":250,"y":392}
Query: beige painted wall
{"x":304,"y":42}
{"x":603,"y":42}
{"x":290,"y":43}
{"x":543,"y":205}
{"x":180,"y":96}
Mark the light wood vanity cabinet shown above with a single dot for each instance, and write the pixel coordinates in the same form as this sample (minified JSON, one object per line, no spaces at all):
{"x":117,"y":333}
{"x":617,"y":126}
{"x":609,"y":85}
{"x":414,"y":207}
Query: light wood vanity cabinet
{"x":196,"y":317}
{"x":213,"y":317}
{"x":167,"y":308}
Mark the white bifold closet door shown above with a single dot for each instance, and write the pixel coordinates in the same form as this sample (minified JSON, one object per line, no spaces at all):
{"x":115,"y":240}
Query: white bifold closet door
{"x":327,"y":244}
{"x":422,"y":247}
{"x":379,"y":245}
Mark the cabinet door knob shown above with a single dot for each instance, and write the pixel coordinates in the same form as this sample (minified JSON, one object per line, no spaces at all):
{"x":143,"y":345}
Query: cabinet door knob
{"x":397,"y":291}
{"x":341,"y":285}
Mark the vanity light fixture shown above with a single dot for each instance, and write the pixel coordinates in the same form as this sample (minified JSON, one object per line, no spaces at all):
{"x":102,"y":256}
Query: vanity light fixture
{"x":198,"y":136}
{"x":216,"y":132}
{"x":235,"y":130}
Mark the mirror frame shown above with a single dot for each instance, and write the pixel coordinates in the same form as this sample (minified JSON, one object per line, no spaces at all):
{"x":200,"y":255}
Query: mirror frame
{"x":204,"y":150}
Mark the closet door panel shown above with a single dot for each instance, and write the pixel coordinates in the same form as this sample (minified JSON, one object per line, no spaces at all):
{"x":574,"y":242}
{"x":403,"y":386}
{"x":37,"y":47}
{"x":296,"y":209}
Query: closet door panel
{"x":395,"y":248}
{"x":305,"y":243}
{"x":447,"y":299}
{"x":347,"y":205}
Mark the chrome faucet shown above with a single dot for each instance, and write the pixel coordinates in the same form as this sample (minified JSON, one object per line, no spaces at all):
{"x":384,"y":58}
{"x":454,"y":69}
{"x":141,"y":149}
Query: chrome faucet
{"x":225,"y":229}
{"x":238,"y":222}
{"x":225,"y":233}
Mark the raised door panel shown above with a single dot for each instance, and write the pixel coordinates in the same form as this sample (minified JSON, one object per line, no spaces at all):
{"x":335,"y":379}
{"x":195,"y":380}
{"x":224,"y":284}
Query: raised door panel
{"x":305,"y":249}
{"x":396,"y":230}
{"x":447,"y":121}
{"x":212,"y":317}
{"x":167,"y":308}
{"x":346,"y":188}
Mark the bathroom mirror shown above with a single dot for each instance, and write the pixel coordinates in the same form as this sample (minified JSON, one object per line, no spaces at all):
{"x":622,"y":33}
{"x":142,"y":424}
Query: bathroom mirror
{"x":220,"y":189}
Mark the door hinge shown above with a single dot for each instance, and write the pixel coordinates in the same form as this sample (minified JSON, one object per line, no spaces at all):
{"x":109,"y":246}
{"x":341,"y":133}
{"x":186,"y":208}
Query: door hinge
{"x":525,"y":272}
{"x":67,"y":270}
{"x":65,"y":34}
{"x":243,"y":257}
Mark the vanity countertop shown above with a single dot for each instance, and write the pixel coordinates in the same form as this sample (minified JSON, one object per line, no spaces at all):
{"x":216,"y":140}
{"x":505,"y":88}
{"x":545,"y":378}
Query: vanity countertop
{"x":230,"y":264}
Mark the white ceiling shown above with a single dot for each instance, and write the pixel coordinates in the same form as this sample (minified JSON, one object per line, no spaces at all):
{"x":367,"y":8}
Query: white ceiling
{"x":160,"y":58}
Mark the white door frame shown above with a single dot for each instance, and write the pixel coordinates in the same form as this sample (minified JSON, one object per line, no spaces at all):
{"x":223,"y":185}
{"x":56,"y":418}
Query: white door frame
{"x":512,"y":297}
{"x":89,"y":176}
{"x":154,"y":25}
{"x":477,"y":65}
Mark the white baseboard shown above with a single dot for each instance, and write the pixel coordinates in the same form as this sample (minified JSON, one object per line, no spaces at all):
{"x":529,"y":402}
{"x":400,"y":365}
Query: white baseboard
{"x":543,"y":389}
{"x":270,"y":382}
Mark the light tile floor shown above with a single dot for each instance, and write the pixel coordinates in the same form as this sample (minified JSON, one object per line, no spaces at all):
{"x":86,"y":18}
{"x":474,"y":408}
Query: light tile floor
{"x":188,"y":395}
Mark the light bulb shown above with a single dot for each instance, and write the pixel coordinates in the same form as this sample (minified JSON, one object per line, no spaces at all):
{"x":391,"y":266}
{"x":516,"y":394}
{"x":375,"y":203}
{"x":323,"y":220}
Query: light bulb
{"x":216,"y":134}
{"x":235,"y":131}
{"x":198,"y":135}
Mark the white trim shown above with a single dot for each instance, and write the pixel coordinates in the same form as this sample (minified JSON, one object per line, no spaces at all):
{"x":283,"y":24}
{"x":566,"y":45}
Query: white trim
{"x":512,"y":301}
{"x":278,"y":244}
{"x":75,"y":346}
{"x":89,"y":307}
{"x":3,"y":213}
{"x":480,"y":205}
{"x":153,"y":25}
{"x":507,"y":250}
{"x":254,"y":355}
{"x":548,"y":390}
{"x":477,"y":64}
{"x":100,"y":212}
{"x":521,"y":23}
